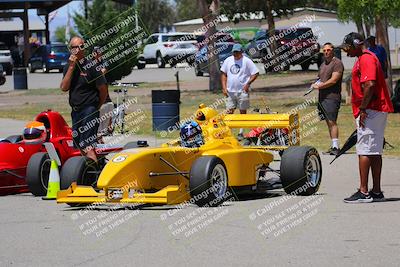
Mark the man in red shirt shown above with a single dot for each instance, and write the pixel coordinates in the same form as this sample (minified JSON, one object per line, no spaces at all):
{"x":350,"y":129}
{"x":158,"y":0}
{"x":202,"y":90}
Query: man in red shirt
{"x":371,"y":104}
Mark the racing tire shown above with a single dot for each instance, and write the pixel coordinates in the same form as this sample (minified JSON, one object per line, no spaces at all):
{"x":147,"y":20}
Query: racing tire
{"x":60,"y":70}
{"x":80,"y":169}
{"x":160,"y":61}
{"x":208,"y":181}
{"x":301,"y":170}
{"x":141,"y":66}
{"x":37,"y":173}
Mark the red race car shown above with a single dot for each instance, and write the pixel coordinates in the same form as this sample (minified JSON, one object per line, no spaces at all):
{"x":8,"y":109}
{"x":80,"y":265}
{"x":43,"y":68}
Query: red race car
{"x":25,"y":164}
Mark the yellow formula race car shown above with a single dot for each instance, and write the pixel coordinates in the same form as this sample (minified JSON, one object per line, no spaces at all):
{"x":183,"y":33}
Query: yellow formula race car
{"x":204,"y":165}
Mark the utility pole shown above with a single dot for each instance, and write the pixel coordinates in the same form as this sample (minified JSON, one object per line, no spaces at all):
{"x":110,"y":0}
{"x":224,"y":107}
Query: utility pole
{"x":136,"y":15}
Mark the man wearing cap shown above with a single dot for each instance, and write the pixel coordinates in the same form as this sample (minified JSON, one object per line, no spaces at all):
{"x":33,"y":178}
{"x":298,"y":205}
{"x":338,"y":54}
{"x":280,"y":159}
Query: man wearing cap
{"x":237,"y":74}
{"x":87,"y":89}
{"x":379,"y":51}
{"x":371,"y":104}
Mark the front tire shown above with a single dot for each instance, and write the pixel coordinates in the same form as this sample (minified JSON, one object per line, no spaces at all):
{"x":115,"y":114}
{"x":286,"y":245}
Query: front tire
{"x":37,"y":173}
{"x":160,"y":60}
{"x":82,"y":170}
{"x":208,"y":181}
{"x":301,"y":170}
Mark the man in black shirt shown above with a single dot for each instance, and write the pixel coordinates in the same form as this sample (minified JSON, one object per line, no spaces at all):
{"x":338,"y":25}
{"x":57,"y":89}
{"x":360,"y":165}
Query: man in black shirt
{"x":87,"y":92}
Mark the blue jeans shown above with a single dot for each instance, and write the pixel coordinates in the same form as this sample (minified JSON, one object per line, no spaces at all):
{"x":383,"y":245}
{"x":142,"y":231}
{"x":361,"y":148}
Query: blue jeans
{"x":85,"y":123}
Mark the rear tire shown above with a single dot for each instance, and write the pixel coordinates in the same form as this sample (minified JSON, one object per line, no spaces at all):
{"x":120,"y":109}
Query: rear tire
{"x":45,"y":69}
{"x":82,"y":170}
{"x":31,"y":70}
{"x":37,"y":173}
{"x":305,"y":66}
{"x":208,"y":181}
{"x":198,"y":72}
{"x":301,"y":170}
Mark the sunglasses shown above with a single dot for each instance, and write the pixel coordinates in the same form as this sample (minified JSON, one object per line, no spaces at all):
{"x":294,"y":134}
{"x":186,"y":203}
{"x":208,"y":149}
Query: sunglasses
{"x":327,"y":50}
{"x":77,"y":46}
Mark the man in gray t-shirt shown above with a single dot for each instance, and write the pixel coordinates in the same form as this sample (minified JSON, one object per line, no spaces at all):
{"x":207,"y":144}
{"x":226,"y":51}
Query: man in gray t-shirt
{"x":329,"y":87}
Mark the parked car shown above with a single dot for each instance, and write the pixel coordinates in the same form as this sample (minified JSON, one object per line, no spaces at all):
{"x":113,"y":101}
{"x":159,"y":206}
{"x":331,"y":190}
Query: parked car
{"x":6,"y":59}
{"x":49,"y":57}
{"x":168,"y":48}
{"x":220,"y":36}
{"x":224,"y":43}
{"x":201,"y":59}
{"x":294,"y":48}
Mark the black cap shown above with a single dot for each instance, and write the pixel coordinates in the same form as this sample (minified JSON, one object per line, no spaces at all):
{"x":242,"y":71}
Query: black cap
{"x":352,"y":39}
{"x":370,"y":37}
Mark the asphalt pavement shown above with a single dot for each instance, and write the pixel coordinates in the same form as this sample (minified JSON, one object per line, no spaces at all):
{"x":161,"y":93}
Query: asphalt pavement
{"x":271,"y":229}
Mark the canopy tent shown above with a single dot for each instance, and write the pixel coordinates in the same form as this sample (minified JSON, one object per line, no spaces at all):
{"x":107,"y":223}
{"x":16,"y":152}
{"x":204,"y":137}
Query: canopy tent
{"x":19,"y":8}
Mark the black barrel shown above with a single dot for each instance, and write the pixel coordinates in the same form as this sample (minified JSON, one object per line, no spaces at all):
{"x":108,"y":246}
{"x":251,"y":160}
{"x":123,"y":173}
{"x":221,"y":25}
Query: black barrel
{"x":20,"y":79}
{"x":165,"y":107}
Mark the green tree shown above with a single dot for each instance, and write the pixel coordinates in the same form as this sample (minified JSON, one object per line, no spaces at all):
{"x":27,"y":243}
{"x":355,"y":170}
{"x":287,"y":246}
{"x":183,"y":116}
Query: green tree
{"x":187,"y":9}
{"x":59,"y":34}
{"x":155,"y":13}
{"x":102,"y":16}
{"x":270,"y":9}
{"x":381,"y":13}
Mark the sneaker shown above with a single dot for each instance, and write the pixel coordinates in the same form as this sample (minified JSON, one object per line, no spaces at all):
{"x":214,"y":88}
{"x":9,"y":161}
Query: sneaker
{"x":359,"y":197}
{"x":333,"y":151}
{"x":377,"y":196}
{"x":240,"y":136}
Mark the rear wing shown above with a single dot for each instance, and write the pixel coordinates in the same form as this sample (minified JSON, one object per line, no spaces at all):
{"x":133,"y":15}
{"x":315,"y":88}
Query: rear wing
{"x":268,"y":121}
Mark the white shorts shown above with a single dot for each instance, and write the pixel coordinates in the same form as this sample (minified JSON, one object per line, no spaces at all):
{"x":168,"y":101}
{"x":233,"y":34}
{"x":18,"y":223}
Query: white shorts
{"x":370,"y":138}
{"x":238,"y":100}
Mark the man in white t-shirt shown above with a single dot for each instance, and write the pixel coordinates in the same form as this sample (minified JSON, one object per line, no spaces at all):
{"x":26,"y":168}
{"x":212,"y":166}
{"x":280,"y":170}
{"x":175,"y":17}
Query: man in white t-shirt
{"x":237,"y":74}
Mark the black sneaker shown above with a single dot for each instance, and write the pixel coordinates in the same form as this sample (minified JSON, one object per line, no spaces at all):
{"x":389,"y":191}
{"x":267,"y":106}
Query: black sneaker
{"x":333,"y":151}
{"x":359,"y":197}
{"x":377,"y":196}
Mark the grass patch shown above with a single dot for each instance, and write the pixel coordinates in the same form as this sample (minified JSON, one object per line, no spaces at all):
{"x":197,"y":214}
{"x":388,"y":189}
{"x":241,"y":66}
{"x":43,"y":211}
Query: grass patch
{"x":41,"y":92}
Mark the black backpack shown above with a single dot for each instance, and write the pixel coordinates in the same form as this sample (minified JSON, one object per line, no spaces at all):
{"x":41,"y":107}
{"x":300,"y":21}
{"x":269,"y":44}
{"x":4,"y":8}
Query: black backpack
{"x":396,"y":97}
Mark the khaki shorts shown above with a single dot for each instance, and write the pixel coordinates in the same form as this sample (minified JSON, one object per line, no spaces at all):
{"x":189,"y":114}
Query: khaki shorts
{"x":238,"y":100}
{"x":370,"y":138}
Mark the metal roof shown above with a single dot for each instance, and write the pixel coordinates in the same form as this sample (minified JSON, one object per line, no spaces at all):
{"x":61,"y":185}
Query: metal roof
{"x":33,"y":4}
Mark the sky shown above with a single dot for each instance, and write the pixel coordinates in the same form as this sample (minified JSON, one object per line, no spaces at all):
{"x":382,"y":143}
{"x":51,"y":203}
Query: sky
{"x":61,"y":17}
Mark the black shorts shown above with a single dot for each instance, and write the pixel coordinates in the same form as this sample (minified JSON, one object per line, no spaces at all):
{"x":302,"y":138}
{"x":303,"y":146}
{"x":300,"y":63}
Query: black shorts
{"x":328,"y":109}
{"x":85,"y":123}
